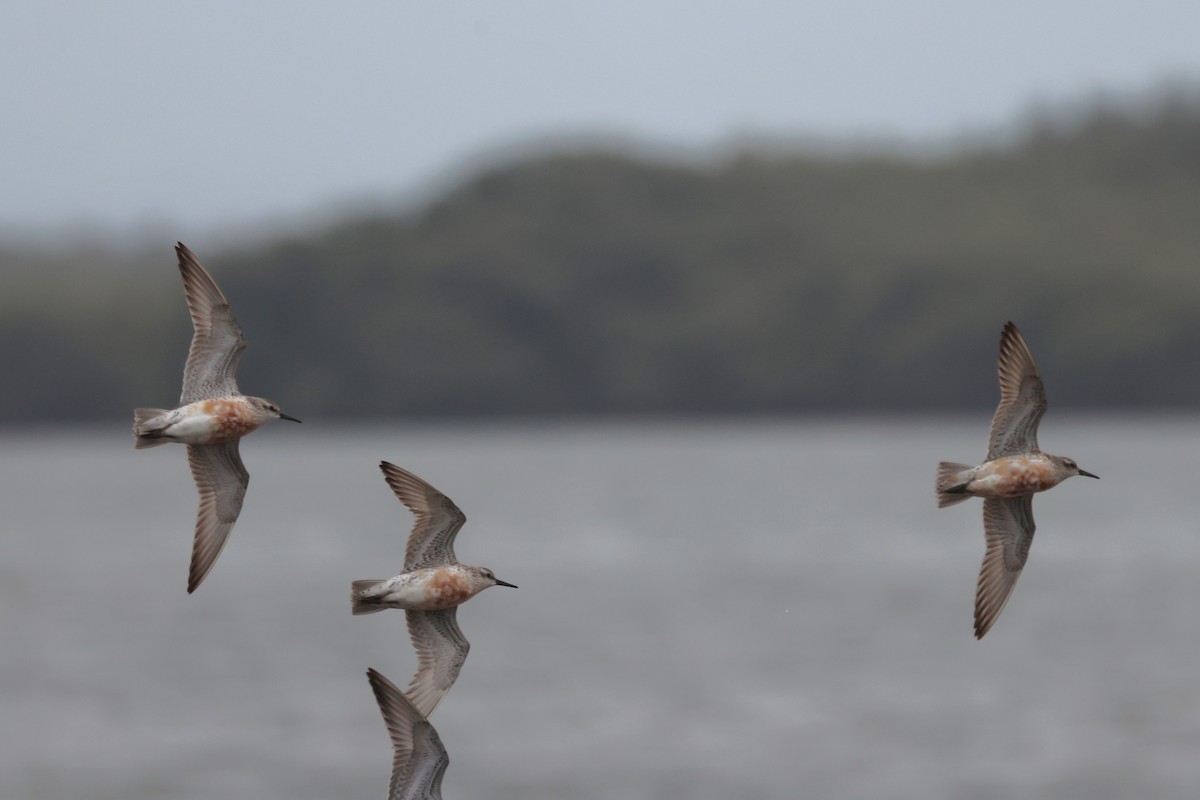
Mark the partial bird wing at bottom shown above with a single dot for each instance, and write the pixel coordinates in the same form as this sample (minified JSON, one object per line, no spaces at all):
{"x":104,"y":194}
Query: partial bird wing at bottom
{"x":423,"y":775}
{"x":1008,"y":527}
{"x":221,"y":479}
{"x":419,"y":759}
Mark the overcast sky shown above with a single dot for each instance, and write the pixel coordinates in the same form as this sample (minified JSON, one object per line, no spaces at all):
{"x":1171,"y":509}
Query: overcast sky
{"x":123,"y":115}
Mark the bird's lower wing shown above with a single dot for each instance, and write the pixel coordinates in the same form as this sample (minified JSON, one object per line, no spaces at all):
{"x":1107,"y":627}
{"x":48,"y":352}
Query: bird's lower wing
{"x":221,"y":479}
{"x":441,"y":651}
{"x":1008,"y":528}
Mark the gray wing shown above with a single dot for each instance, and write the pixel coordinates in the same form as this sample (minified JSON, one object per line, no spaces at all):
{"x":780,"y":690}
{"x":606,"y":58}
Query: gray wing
{"x":1022,"y":398}
{"x":419,"y":759}
{"x":221,"y":479}
{"x":438,"y":520}
{"x":217,"y":342}
{"x":422,"y":780}
{"x":441,"y":651}
{"x":1008,"y":527}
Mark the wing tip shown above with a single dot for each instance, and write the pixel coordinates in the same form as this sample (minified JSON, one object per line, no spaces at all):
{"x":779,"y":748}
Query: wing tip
{"x":188,"y":262}
{"x":198,"y":572}
{"x":391,"y":698}
{"x":197,"y":279}
{"x":1013,"y":345}
{"x":409,"y":488}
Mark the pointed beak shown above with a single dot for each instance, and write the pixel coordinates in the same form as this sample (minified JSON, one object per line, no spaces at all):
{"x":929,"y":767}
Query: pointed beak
{"x":505,"y":583}
{"x":285,"y":416}
{"x":1088,"y":474}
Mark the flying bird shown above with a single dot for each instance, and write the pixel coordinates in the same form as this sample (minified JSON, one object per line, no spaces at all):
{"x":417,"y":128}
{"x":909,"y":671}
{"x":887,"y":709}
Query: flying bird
{"x":211,"y":417}
{"x":430,"y":589}
{"x":1014,"y":470}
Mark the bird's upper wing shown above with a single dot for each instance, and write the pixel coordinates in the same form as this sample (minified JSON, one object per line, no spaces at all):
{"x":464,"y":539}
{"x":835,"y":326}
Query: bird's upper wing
{"x":221,"y":479}
{"x":1022,"y":398}
{"x":422,"y":778}
{"x":441,"y":651}
{"x":401,"y":719}
{"x":1008,"y":528}
{"x":217,"y":342}
{"x":438,"y":520}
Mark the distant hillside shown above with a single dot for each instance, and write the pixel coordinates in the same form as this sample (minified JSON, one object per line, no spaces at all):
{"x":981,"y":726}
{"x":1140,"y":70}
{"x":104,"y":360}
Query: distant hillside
{"x":602,"y":284}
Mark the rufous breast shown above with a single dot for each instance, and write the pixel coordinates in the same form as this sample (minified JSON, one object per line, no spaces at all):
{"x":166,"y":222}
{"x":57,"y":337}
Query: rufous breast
{"x":447,"y":587}
{"x":1019,"y":475}
{"x":232,"y":418}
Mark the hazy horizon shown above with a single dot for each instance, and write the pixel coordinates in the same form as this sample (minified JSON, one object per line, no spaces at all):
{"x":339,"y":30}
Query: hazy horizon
{"x":154,"y":118}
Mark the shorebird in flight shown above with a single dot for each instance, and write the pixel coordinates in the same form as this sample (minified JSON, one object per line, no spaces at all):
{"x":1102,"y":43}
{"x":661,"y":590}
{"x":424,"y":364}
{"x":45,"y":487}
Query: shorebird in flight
{"x":1014,"y":470}
{"x":211,"y":417}
{"x":430,"y":589}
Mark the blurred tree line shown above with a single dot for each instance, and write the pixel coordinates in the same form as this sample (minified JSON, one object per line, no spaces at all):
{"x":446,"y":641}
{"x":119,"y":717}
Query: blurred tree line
{"x":604,"y":284}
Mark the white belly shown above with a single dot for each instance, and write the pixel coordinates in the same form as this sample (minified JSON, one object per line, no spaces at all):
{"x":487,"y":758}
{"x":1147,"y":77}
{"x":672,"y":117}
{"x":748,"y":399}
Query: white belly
{"x":193,"y":427}
{"x":404,"y":591}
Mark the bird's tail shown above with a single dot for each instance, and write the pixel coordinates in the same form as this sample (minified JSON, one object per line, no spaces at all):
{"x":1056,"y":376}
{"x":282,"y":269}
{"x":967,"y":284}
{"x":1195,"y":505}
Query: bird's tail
{"x":361,"y":605}
{"x":148,"y":425}
{"x":951,"y":485}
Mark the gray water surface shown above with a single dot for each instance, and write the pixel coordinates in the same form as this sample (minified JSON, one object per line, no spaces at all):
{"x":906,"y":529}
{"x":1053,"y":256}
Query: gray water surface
{"x":769,"y":610}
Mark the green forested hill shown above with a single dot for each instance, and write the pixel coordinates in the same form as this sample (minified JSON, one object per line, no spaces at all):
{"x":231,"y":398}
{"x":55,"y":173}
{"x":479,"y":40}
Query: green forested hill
{"x":598,"y":283}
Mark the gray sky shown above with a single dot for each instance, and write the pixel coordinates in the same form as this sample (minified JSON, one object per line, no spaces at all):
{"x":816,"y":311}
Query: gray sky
{"x":130,"y":115}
